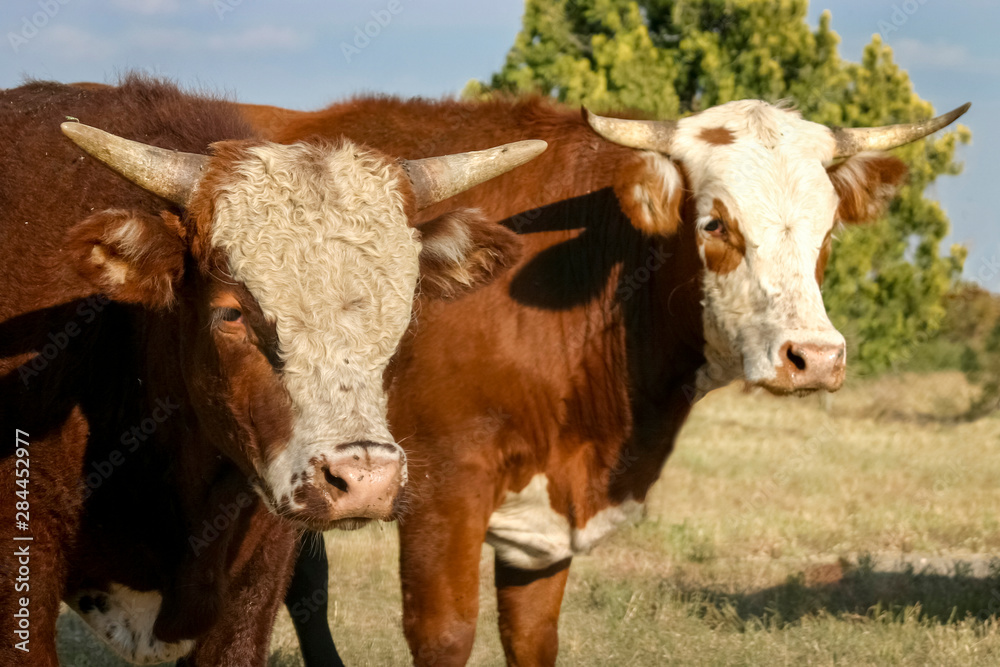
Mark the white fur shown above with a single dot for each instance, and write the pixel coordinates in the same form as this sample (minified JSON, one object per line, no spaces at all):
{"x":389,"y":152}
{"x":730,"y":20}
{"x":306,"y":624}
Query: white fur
{"x":320,"y":238}
{"x":115,"y":271}
{"x":773,"y":180}
{"x":527,"y":533}
{"x":126,"y":625}
{"x":127,"y":237}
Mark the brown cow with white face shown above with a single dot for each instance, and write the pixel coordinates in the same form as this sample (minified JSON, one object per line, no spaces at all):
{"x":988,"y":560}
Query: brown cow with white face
{"x":249,"y":303}
{"x":660,"y":263}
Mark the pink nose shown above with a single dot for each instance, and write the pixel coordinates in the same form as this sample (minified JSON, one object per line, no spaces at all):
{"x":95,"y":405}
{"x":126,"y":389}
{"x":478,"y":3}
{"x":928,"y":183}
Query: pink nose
{"x":358,"y":481}
{"x":808,"y":367}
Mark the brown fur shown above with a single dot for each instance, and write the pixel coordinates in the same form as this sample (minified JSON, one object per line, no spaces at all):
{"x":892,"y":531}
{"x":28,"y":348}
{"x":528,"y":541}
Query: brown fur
{"x":654,"y":210}
{"x":865,"y":184}
{"x":145,"y":272}
{"x":717,"y":136}
{"x":824,"y":257}
{"x":490,"y":249}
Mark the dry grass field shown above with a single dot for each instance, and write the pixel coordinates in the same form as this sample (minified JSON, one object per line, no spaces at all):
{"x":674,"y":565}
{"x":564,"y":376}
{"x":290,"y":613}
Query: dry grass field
{"x":782,"y":532}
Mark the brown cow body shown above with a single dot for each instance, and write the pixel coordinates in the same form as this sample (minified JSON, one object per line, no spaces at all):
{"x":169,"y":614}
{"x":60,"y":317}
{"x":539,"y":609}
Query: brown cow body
{"x":145,"y":365}
{"x":547,"y":403}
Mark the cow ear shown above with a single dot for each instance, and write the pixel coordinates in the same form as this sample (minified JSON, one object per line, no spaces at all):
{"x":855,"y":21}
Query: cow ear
{"x":462,"y":251}
{"x":865,"y":184}
{"x":650,"y":192}
{"x":130,"y":257}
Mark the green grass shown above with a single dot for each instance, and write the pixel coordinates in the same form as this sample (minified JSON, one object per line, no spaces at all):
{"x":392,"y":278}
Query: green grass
{"x":780,"y":533}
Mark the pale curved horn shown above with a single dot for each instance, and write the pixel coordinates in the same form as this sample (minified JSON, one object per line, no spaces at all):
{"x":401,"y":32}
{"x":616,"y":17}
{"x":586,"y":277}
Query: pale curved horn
{"x":435,"y":179}
{"x":852,"y":140}
{"x":650,"y":135}
{"x":170,"y":174}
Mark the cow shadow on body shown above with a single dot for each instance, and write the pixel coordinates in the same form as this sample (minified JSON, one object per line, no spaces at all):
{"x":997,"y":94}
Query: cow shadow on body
{"x":576,"y":271}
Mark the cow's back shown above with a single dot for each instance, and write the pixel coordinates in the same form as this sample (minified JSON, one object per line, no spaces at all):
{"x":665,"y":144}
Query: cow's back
{"x":576,"y":162}
{"x":47,"y":184}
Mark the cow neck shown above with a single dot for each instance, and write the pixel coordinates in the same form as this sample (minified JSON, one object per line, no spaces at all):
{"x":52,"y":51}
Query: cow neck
{"x":659,"y":297}
{"x":636,"y":300}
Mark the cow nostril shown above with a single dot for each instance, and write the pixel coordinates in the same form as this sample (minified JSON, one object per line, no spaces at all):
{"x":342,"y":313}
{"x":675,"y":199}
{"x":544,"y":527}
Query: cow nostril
{"x":337,"y":482}
{"x":798,"y":361}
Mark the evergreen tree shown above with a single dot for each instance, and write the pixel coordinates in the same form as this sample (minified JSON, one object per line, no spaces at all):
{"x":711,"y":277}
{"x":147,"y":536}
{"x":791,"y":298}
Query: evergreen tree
{"x":886,"y":282}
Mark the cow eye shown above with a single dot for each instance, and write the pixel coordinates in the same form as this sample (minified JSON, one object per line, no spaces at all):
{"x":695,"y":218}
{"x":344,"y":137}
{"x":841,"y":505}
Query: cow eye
{"x":715,"y":227}
{"x":229,"y":315}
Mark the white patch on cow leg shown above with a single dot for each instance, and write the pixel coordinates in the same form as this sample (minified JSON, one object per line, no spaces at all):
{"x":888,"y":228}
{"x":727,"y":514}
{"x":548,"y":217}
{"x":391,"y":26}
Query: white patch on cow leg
{"x":604,"y":523}
{"x":528,"y":534}
{"x":123,"y":618}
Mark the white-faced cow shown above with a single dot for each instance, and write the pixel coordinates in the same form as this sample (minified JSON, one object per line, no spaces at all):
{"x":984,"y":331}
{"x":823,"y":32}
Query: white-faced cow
{"x":667,"y":259}
{"x":191,"y":371}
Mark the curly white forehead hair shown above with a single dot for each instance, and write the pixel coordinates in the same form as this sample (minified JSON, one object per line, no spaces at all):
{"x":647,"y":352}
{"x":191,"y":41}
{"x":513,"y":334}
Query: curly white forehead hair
{"x":319,"y":236}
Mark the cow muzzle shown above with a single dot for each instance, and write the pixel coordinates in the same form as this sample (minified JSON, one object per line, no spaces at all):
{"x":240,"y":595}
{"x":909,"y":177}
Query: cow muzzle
{"x":352,"y":485}
{"x":804,"y":367}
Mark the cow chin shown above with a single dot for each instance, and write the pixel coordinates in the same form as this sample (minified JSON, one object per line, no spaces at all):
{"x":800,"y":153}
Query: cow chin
{"x":349,"y":524}
{"x":314,"y":508}
{"x":782,"y":391}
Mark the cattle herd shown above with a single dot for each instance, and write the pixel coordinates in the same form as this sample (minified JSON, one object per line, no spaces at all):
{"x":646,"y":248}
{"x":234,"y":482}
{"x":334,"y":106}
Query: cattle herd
{"x":225,"y":327}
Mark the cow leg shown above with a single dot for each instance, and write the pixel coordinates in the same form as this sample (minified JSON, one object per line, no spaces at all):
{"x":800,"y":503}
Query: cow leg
{"x":439,"y":554}
{"x":528,"y":603}
{"x":306,"y":600}
{"x":195,"y":594}
{"x":242,"y":635}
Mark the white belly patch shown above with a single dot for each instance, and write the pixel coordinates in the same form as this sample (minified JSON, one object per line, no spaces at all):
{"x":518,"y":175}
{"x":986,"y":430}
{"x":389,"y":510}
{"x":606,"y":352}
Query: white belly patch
{"x":124,"y":619}
{"x":528,"y":534}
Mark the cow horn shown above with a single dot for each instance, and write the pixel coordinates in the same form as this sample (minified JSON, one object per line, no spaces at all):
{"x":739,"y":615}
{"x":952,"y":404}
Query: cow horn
{"x":650,"y":135}
{"x":435,"y":179}
{"x":853,"y":140}
{"x":169,"y":174}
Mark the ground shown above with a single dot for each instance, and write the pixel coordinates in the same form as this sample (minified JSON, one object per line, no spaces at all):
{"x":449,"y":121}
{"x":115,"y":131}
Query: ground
{"x":857,"y":529}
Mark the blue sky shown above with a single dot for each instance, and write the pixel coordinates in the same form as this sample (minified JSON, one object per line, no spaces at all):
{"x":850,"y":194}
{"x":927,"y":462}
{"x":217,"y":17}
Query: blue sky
{"x":292,"y":53}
